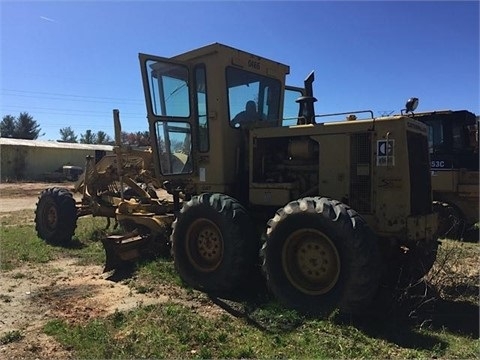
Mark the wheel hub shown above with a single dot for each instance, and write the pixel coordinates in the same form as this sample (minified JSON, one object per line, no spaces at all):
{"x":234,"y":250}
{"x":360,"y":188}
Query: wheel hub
{"x":204,"y":245}
{"x":311,"y":261}
{"x":209,"y":243}
{"x":52,"y":217}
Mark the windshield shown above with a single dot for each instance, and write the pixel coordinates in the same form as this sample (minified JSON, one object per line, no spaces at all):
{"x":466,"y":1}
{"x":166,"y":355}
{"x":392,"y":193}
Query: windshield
{"x":169,"y":89}
{"x":450,"y":133}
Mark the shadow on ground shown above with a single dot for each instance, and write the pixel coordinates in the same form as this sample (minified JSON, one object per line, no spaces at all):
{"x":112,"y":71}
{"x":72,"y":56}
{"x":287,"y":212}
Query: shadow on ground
{"x":395,"y":318}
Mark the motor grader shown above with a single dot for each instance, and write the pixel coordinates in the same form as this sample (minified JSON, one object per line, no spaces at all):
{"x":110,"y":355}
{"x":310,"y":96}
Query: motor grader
{"x":453,"y":144}
{"x":325,"y":210}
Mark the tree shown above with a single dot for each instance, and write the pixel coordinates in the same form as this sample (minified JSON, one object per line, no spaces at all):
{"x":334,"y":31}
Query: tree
{"x":103,"y":138}
{"x":68,"y":135}
{"x":139,"y":138}
{"x":88,"y":138}
{"x":27,"y":128}
{"x":23,"y":127}
{"x":91,"y":138}
{"x":7,"y":126}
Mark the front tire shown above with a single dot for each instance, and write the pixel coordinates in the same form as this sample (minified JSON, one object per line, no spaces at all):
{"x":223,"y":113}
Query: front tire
{"x":213,"y":243}
{"x":319,"y":255}
{"x":56,"y":216}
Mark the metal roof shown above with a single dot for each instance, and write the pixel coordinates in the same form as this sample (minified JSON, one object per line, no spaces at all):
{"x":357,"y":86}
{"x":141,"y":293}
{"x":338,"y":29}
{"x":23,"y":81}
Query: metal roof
{"x":53,"y":144}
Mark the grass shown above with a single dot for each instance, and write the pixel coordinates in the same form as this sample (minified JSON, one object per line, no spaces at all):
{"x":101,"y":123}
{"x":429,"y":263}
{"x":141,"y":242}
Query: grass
{"x":173,"y":330}
{"x":456,"y":272}
{"x":442,"y":326}
{"x":19,"y":243}
{"x":10,"y":336}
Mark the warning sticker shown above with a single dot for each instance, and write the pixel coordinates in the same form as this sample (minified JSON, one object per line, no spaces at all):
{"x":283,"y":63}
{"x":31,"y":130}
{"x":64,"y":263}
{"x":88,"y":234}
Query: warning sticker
{"x":385,"y":152}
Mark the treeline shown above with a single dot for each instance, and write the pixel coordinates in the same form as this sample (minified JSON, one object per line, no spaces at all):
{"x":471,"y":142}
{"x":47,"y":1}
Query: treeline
{"x":25,"y":127}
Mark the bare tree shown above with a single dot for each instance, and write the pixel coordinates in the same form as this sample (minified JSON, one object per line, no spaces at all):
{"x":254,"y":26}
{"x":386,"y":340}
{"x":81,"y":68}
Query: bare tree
{"x":139,"y":138}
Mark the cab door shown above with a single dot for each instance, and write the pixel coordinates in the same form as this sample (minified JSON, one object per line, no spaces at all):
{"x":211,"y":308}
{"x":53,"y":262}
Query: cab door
{"x":170,"y":100}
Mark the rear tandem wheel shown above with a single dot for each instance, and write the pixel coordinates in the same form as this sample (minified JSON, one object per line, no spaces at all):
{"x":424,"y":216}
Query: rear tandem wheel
{"x":451,"y":220}
{"x":319,"y":255}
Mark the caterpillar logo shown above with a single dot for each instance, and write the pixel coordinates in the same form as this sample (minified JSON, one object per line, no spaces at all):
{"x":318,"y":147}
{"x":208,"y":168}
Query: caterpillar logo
{"x":384,"y":148}
{"x":385,"y":152}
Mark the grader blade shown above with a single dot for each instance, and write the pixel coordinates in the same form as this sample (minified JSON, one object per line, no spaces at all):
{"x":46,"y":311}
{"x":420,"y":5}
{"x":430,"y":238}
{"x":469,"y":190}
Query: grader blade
{"x":122,"y":249}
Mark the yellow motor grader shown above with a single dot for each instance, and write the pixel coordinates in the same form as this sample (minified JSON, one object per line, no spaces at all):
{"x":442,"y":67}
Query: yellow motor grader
{"x":324,"y":209}
{"x":453,"y":143}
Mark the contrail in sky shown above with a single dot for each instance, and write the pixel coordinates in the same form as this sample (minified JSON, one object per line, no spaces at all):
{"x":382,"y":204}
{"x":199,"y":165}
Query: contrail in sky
{"x":46,"y":19}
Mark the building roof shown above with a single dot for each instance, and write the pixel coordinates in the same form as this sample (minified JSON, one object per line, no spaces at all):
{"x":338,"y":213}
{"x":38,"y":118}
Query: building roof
{"x":53,"y":144}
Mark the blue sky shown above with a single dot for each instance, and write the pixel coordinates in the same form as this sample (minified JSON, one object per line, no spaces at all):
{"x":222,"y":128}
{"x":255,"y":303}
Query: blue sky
{"x":69,"y":63}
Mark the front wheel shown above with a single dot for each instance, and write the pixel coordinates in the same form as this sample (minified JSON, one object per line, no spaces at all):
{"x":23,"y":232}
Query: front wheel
{"x":319,"y":255}
{"x":56,"y":216}
{"x":213,"y":243}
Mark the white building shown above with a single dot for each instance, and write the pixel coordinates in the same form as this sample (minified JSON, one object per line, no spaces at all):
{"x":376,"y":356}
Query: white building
{"x":35,"y":159}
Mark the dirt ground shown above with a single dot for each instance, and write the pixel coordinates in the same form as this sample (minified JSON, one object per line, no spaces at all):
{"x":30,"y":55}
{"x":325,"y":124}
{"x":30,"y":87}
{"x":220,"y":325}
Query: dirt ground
{"x":32,"y":295}
{"x":19,"y":196}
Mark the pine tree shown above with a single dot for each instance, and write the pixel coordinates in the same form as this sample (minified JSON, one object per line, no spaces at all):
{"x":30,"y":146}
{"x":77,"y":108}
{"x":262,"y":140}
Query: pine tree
{"x":23,"y":127}
{"x":68,"y":135}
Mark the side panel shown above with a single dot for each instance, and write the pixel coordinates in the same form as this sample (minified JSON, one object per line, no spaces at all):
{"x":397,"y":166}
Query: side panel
{"x":334,"y":166}
{"x":444,"y":180}
{"x":361,"y":172}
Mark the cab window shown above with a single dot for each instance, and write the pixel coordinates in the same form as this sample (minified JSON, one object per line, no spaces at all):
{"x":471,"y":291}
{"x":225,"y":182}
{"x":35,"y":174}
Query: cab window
{"x":436,"y":139}
{"x":174,"y":147}
{"x":169,"y":89}
{"x":202,"y":118}
{"x":251,"y":97}
{"x":290,"y":107}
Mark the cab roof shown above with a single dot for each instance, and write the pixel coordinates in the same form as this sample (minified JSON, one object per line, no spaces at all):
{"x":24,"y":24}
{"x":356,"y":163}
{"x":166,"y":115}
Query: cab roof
{"x":225,"y":51}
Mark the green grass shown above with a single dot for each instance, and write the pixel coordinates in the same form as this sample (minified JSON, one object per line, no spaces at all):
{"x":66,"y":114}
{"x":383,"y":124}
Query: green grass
{"x":20,"y":245}
{"x":22,"y":217}
{"x":446,"y":328}
{"x":175,"y":331}
{"x":151,"y":274}
{"x":10,"y":336}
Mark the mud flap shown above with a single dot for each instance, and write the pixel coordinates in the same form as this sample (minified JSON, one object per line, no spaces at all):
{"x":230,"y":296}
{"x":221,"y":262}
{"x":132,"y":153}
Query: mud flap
{"x":122,"y":249}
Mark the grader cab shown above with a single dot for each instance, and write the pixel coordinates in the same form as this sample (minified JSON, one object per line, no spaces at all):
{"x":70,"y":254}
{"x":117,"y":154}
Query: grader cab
{"x":323,"y":208}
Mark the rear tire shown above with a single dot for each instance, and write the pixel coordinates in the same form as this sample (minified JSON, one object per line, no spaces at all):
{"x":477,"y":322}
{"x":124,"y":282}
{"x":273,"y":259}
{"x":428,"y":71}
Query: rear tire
{"x":416,"y":262}
{"x":213,"y":243}
{"x":319,"y":255}
{"x":451,"y":221}
{"x":56,"y":216}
